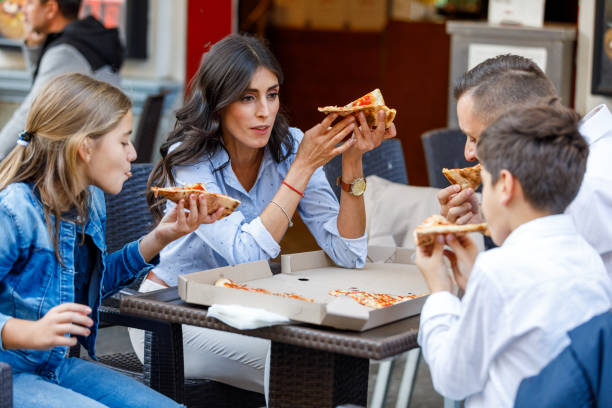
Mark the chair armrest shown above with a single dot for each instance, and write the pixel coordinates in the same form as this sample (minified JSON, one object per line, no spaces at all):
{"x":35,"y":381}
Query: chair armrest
{"x":6,"y":386}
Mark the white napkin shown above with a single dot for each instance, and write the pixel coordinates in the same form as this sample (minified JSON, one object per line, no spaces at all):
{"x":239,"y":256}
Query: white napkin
{"x":245,"y":318}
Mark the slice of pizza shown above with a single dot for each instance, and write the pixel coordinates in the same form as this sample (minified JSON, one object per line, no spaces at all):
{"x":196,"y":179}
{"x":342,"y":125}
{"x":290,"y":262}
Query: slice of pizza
{"x":228,"y":283}
{"x":466,"y":177}
{"x":373,"y":300}
{"x":425,"y":234}
{"x":369,"y":104}
{"x":214,"y":201}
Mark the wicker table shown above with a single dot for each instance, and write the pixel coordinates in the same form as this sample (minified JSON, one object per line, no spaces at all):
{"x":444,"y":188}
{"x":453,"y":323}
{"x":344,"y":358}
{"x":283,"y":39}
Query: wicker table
{"x":310,"y":366}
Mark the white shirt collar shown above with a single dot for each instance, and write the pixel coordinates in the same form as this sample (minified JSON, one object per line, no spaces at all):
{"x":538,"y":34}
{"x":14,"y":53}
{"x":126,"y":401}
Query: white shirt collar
{"x":560,"y":224}
{"x":596,"y":124}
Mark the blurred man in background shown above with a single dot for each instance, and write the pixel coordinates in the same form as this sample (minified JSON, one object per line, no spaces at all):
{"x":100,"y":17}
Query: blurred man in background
{"x":57,"y":42}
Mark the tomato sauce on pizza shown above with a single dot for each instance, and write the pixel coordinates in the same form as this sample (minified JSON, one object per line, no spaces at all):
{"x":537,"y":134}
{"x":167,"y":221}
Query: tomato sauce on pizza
{"x":228,"y":283}
{"x":373,"y":300}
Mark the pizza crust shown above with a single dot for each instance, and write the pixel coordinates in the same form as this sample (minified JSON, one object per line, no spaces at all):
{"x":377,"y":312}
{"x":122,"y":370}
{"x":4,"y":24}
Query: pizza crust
{"x":468,"y":177}
{"x":425,"y":234}
{"x":214,"y":201}
{"x":370,"y":110}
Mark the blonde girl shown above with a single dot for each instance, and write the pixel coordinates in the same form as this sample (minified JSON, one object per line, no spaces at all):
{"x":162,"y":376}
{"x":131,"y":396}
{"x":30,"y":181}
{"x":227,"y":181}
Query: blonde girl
{"x":54,"y":266}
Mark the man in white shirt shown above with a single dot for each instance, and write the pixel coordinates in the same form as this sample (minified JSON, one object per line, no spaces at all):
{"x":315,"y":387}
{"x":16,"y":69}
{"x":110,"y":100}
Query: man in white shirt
{"x":521,"y":298}
{"x":592,"y":208}
{"x":500,"y":84}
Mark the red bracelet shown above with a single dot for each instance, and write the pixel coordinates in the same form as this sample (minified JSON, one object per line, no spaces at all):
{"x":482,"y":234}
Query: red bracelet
{"x":293,"y":188}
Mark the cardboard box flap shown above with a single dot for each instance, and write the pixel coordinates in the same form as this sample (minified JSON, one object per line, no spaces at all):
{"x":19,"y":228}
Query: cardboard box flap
{"x":345,"y":313}
{"x":319,"y":259}
{"x":198,"y":281}
{"x":381,"y":254}
{"x":237,"y":273}
{"x":305,"y":260}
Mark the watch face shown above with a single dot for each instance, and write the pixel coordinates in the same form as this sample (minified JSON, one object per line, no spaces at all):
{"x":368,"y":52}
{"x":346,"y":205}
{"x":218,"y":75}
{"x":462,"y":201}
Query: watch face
{"x":358,"y":186}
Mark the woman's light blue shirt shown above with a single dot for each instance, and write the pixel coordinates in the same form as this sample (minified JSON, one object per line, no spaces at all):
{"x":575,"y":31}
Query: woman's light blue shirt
{"x":241,"y":237}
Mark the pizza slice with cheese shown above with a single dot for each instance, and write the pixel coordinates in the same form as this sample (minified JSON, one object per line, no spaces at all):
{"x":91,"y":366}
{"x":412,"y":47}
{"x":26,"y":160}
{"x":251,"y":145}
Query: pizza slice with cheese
{"x":214,"y":201}
{"x":466,"y":177}
{"x":369,"y":104}
{"x":373,"y":300}
{"x":436,"y":224}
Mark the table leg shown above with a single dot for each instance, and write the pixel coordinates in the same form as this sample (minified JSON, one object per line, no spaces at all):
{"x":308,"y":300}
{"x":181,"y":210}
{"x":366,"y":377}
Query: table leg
{"x":302,"y":377}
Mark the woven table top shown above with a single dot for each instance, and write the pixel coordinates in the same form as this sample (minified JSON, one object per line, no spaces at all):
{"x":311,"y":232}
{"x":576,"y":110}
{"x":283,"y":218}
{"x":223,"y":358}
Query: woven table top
{"x":378,"y":343}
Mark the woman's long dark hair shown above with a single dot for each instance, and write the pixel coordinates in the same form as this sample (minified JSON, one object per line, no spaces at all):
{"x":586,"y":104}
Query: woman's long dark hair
{"x":224,"y":75}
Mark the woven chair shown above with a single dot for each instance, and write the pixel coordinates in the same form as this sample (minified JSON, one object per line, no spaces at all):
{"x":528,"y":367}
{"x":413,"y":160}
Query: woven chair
{"x":386,"y":161}
{"x":443,"y":148}
{"x":148,"y":124}
{"x":6,"y":386}
{"x":128,"y":218}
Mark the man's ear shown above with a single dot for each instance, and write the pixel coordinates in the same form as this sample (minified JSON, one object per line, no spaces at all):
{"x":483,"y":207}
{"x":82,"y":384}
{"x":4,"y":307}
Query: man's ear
{"x":507,"y":184}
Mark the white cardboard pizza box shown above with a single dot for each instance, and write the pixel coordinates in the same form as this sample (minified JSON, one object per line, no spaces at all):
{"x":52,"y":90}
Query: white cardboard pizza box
{"x":313,"y":275}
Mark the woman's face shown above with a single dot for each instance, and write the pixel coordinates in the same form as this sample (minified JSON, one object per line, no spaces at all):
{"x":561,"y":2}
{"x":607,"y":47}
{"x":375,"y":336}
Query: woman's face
{"x":248,"y":122}
{"x":108,"y":159}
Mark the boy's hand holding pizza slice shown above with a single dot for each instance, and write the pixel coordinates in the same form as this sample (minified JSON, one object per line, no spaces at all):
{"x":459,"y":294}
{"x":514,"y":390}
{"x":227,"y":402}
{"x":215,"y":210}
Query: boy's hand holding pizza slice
{"x":425,"y":234}
{"x":430,"y":238}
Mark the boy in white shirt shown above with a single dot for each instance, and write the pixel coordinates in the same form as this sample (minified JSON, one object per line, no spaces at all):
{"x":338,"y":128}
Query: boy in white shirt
{"x":544,"y":279}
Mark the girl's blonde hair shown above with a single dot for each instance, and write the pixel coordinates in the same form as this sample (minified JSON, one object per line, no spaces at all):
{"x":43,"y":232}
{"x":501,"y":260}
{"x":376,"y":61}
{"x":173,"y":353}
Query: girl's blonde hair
{"x":68,"y":109}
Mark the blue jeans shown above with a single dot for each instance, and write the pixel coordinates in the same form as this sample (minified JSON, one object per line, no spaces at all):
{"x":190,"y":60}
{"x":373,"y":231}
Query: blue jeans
{"x":84,"y":384}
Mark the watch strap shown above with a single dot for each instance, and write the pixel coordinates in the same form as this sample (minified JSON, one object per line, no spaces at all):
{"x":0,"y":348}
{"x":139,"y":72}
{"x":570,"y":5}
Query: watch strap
{"x":344,"y":186}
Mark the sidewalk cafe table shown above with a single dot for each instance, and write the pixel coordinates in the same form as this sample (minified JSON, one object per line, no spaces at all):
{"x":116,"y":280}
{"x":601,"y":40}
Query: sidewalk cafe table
{"x":310,"y":366}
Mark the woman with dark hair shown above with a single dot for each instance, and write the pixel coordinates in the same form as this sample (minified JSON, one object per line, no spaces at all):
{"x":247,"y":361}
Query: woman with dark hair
{"x":231,"y":136}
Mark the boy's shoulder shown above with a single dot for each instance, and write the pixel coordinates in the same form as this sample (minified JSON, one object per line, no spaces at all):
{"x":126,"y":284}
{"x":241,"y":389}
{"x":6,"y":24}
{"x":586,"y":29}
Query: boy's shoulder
{"x":531,"y":263}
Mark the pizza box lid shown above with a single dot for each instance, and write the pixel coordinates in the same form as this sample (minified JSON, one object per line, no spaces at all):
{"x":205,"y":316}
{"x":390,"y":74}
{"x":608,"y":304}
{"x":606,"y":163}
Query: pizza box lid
{"x":313,"y":275}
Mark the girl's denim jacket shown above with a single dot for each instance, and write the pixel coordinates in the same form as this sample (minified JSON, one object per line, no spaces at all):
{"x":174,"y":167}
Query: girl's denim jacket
{"x":32,"y":280}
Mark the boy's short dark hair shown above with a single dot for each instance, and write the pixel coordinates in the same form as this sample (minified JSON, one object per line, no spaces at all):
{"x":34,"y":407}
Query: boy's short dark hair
{"x":68,"y":8}
{"x":502,"y":83}
{"x":542,"y":148}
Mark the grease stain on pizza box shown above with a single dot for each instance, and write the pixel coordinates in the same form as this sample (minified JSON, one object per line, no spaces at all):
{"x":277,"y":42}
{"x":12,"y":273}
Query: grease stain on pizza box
{"x":313,"y":275}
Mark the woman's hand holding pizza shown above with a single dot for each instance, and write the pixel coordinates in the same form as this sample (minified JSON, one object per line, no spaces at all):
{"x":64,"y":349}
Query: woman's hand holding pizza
{"x":176,"y":223}
{"x":367,"y":138}
{"x":320,"y":143}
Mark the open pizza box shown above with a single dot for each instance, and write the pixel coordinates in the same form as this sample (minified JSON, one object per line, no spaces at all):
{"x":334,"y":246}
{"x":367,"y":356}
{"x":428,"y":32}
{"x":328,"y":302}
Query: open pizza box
{"x":313,"y":275}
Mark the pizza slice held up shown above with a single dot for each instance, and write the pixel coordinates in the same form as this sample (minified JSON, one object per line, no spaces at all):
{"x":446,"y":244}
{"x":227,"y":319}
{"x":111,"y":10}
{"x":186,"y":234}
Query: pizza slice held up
{"x":214,"y":201}
{"x":466,"y":177}
{"x":425,"y":234}
{"x":369,"y":104}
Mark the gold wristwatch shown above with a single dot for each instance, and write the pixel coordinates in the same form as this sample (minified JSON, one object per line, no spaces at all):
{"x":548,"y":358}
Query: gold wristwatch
{"x":356,"y":187}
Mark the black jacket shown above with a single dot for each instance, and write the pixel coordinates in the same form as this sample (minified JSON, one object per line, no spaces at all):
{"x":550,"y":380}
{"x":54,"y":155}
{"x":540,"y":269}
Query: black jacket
{"x":99,"y":45}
